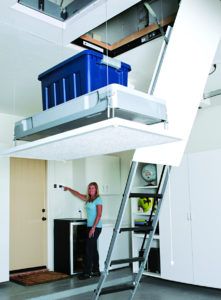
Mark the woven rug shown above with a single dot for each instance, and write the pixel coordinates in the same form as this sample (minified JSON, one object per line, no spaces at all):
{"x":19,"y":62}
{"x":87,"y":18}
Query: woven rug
{"x":37,"y":277}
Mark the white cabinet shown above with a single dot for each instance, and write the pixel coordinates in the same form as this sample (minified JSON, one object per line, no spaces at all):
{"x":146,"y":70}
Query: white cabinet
{"x":205,"y":168}
{"x":105,"y":170}
{"x":175,"y":228}
{"x":190,"y":242}
{"x":121,"y":247}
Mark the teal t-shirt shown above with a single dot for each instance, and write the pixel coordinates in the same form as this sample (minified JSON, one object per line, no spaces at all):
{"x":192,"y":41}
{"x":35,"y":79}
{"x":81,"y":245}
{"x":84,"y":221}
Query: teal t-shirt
{"x":91,"y":210}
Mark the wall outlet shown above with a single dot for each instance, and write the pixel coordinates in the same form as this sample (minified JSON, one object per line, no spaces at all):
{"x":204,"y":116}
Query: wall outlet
{"x":58,"y":186}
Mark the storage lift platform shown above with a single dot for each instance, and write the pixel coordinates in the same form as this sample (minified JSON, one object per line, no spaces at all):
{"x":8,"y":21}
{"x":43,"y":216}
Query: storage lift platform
{"x":105,"y":103}
{"x":111,"y":119}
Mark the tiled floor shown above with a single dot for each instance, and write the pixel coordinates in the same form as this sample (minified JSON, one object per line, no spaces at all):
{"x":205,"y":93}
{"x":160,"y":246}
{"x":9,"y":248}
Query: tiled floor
{"x":149,"y":289}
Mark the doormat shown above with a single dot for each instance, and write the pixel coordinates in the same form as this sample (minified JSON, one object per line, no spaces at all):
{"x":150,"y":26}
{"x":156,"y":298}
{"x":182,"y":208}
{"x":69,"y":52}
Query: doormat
{"x":37,"y":277}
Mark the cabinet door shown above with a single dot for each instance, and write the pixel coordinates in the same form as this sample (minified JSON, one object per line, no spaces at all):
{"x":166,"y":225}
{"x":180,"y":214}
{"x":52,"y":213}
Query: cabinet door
{"x":105,"y":170}
{"x":205,"y":170}
{"x":103,"y":245}
{"x":175,"y":228}
{"x":121,"y":247}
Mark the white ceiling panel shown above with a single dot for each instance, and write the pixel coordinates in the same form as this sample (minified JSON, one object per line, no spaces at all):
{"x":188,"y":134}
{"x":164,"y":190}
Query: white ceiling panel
{"x":113,"y":135}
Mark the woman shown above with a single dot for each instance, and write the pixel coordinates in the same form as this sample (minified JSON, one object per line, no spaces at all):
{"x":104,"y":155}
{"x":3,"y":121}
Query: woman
{"x":94,"y":226}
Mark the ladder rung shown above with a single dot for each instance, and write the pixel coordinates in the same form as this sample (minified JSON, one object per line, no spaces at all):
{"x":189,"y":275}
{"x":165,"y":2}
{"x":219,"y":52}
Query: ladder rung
{"x":137,"y":228}
{"x":137,"y":195}
{"x":126,"y":260}
{"x":117,"y":288}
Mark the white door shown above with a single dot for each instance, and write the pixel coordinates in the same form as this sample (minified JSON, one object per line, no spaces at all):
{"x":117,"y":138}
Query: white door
{"x":27,"y":199}
{"x":205,"y":170}
{"x":175,"y":228}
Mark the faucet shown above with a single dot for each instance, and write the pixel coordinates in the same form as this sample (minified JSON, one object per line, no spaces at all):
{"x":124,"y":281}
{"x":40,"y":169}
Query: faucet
{"x":80,"y":212}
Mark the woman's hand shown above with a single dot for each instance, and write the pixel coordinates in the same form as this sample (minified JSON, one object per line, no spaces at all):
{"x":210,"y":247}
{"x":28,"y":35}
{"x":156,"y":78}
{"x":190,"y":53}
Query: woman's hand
{"x":66,"y":188}
{"x":91,"y":232}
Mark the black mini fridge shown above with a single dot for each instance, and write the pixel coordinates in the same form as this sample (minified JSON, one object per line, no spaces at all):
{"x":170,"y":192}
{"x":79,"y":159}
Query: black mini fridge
{"x":69,"y":245}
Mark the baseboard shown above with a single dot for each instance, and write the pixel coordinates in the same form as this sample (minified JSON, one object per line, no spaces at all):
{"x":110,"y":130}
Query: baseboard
{"x":27,"y":270}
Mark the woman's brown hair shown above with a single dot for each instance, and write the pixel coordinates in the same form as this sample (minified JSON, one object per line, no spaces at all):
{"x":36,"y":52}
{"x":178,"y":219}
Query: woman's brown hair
{"x":97,"y":191}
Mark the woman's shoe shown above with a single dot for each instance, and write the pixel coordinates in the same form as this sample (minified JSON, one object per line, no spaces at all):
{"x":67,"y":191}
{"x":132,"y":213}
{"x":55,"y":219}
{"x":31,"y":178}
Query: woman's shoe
{"x":96,"y":274}
{"x":84,"y":276}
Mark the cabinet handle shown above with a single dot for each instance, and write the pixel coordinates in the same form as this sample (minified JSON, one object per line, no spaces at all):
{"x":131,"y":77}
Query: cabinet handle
{"x":44,"y":219}
{"x":189,"y":216}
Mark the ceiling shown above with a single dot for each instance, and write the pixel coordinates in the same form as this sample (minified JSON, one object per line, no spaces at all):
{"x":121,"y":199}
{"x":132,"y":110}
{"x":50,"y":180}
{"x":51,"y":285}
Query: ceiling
{"x":33,"y":43}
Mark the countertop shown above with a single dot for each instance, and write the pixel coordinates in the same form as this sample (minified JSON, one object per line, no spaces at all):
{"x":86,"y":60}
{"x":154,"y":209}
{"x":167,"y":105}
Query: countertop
{"x":71,"y":219}
{"x":105,"y":222}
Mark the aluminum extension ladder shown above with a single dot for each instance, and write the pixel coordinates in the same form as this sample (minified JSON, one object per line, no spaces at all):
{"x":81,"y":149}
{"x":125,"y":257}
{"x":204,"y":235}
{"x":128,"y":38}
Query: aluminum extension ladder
{"x":149,"y":229}
{"x":152,"y":224}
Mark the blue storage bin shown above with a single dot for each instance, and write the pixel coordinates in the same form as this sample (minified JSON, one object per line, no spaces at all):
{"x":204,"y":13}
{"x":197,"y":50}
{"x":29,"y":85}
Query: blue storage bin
{"x":82,"y":73}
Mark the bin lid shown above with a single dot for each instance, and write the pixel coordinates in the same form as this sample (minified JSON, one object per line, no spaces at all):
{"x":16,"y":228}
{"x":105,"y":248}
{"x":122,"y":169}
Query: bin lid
{"x":75,"y":57}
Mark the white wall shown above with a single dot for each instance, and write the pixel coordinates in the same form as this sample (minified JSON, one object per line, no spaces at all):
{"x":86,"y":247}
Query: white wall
{"x":4,"y":219}
{"x":125,"y":162}
{"x":64,"y":205}
{"x":205,"y":134}
{"x":6,"y":137}
{"x":110,"y":202}
{"x":7,"y":128}
{"x":60,"y":204}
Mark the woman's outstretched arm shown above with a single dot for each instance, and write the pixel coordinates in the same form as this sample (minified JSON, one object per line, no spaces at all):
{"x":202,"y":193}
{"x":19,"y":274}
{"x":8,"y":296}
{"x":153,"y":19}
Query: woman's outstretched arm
{"x":75,"y":193}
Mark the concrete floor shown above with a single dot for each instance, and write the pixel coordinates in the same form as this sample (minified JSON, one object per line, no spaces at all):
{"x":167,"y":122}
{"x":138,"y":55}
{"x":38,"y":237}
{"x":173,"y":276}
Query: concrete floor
{"x":150,"y":289}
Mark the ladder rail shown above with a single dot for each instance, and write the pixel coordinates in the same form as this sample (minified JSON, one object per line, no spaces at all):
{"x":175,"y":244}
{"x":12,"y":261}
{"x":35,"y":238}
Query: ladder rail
{"x":151,"y":236}
{"x":159,"y":61}
{"x":116,"y":230}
